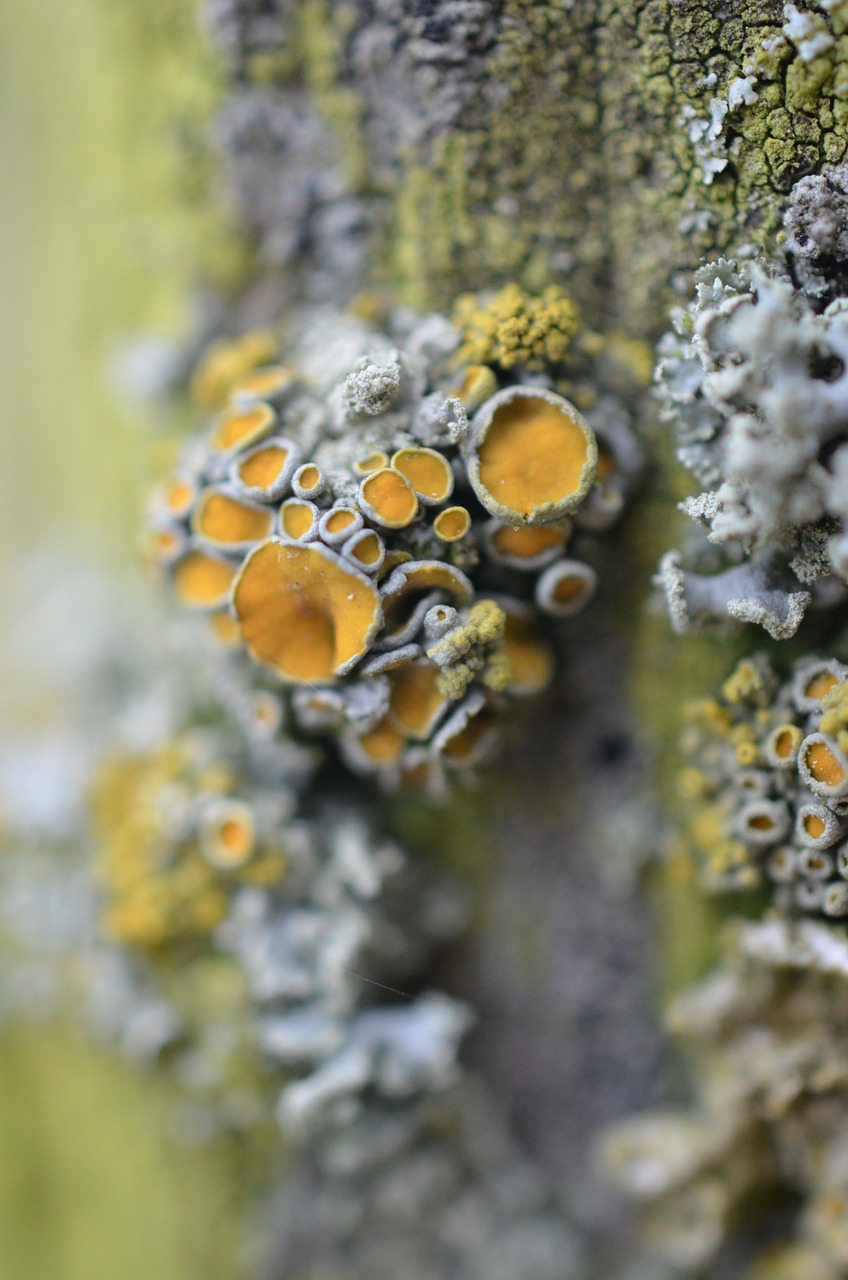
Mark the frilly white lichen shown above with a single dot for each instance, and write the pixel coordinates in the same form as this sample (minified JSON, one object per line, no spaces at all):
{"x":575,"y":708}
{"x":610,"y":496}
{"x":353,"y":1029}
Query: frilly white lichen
{"x":753,"y":381}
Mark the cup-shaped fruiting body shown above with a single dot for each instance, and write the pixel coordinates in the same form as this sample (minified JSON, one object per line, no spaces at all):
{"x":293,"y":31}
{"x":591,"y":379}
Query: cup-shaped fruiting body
{"x":299,"y":520}
{"x":531,"y":456}
{"x":530,"y":657}
{"x":174,"y":498}
{"x":261,"y":714}
{"x":339,"y":524}
{"x":225,"y":361}
{"x":227,"y":834}
{"x":366,"y":550}
{"x":816,"y":865}
{"x":452,"y":524}
{"x":763,"y":774}
{"x":164,"y":544}
{"x":304,"y":611}
{"x":416,"y":701}
{"x":528,"y":547}
{"x":337,"y":499}
{"x":835,"y":901}
{"x":309,"y":482}
{"x":763,"y":822}
{"x":227,"y":522}
{"x":239,"y":428}
{"x":268,"y":382}
{"x":203,"y":580}
{"x":469,"y":735}
{"x":565,"y":588}
{"x":822,"y":766}
{"x":376,"y":460}
{"x":478,"y":383}
{"x":781,"y":746}
{"x":388,"y":498}
{"x":814,"y":680}
{"x":428,"y":472}
{"x":265,"y":471}
{"x":440,"y":621}
{"x":818,"y":827}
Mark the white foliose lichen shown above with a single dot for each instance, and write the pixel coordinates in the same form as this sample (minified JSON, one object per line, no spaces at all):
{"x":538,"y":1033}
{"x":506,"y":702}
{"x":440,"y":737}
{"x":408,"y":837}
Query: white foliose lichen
{"x":753,"y":379}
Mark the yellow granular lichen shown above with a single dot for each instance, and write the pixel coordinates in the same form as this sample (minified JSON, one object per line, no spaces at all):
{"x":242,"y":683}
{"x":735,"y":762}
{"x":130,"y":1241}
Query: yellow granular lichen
{"x":498,"y":674}
{"x":516,"y":328}
{"x":157,"y":886}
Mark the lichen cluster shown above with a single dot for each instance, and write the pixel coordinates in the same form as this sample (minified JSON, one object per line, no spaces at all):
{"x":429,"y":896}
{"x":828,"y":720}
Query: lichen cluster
{"x":253,"y":934}
{"x":383,"y":527}
{"x":755,"y":1168}
{"x":209,"y":865}
{"x":753,"y":382}
{"x":377,"y":531}
{"x":490,"y":1213}
{"x":179,"y":836}
{"x":765,"y":784}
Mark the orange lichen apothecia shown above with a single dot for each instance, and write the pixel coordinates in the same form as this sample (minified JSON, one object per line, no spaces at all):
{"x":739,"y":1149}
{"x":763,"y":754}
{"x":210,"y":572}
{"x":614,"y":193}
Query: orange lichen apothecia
{"x":304,"y":611}
{"x":766,"y":784}
{"x":386,"y":535}
{"x":531,"y":456}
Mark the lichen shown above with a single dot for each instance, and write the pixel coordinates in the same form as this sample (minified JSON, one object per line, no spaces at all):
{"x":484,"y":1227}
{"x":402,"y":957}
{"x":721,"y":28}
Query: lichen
{"x":611,"y":145}
{"x":514,"y":328}
{"x":766,"y":1125}
{"x":763,"y":784}
{"x":163,"y":877}
{"x":752,"y":379}
{"x":321,"y":529}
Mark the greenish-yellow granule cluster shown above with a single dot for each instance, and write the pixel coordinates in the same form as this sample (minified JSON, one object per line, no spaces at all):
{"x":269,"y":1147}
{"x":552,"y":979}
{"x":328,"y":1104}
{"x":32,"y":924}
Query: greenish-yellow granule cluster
{"x":474,"y":651}
{"x":516,"y":328}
